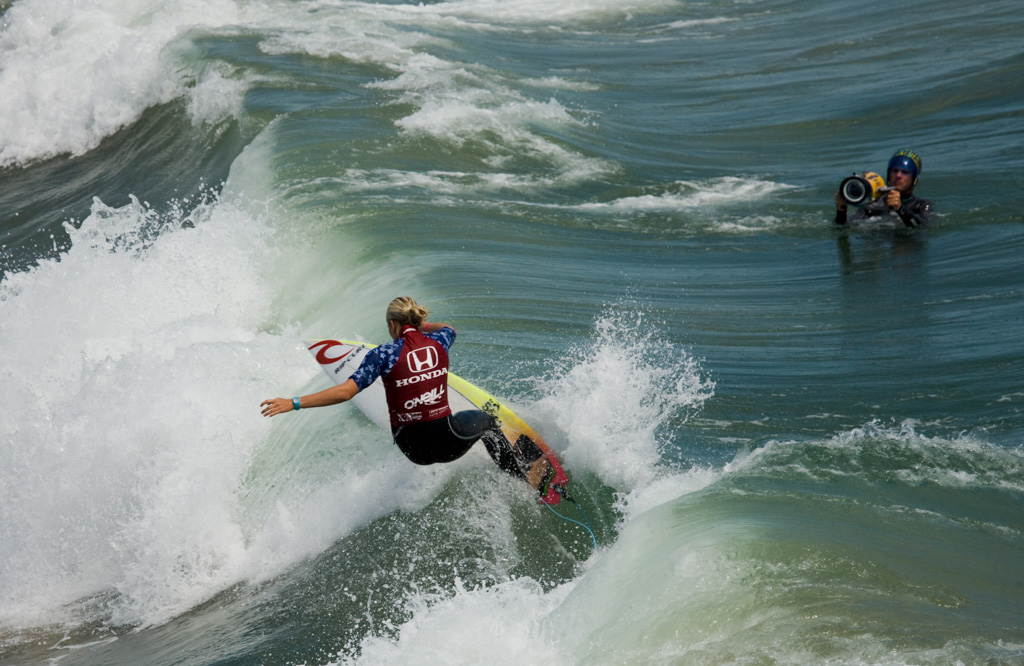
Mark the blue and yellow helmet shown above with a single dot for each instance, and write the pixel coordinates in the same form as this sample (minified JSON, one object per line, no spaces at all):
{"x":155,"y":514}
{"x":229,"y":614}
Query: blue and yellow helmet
{"x":907,"y":160}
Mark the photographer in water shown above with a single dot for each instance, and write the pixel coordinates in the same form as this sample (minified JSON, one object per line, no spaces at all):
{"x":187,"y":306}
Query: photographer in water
{"x":897,"y":198}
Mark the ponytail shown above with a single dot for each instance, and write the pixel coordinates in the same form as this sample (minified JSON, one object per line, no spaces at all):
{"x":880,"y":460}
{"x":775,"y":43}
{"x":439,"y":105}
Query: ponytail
{"x":406,"y":312}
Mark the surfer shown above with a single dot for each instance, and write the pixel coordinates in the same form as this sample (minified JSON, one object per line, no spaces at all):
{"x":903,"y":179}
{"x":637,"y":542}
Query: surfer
{"x":414,"y":370}
{"x":904,"y":168}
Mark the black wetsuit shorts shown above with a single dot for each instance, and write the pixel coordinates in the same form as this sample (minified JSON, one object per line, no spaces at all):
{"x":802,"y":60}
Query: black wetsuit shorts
{"x":442,"y":440}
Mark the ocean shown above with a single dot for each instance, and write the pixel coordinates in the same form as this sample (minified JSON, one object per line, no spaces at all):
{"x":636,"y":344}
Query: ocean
{"x":793,"y":443}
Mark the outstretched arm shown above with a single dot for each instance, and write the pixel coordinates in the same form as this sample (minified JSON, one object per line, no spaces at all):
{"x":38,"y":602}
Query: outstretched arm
{"x":433,"y":328}
{"x":329,"y":396}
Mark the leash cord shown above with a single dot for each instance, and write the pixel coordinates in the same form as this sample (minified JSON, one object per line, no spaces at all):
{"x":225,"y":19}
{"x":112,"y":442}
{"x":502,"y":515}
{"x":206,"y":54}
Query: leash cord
{"x":585,"y":526}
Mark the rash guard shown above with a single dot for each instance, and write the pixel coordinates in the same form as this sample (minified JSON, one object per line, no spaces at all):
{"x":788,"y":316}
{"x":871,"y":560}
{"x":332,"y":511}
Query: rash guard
{"x":382,"y":360}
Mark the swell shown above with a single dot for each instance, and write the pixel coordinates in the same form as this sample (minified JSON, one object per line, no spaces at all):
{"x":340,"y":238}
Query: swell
{"x":877,"y":544}
{"x":161,"y":158}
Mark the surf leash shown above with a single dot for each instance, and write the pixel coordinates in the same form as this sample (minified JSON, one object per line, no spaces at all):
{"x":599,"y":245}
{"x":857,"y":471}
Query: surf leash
{"x":585,"y":525}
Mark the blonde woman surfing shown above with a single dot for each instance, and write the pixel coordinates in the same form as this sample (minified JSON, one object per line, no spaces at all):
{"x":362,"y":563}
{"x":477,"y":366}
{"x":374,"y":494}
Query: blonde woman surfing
{"x":414,"y":370}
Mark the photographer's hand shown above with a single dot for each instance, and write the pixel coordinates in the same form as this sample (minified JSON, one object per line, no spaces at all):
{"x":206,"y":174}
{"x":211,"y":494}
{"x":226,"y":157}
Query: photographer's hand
{"x":893,"y":200}
{"x":840,"y":209}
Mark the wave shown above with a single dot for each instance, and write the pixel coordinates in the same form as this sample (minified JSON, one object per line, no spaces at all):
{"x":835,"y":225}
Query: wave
{"x":143,"y":481}
{"x":71,"y":80}
{"x":800,"y":552}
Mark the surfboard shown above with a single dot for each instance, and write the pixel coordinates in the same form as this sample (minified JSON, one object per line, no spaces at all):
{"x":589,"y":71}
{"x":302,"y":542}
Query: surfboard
{"x":535,"y":460}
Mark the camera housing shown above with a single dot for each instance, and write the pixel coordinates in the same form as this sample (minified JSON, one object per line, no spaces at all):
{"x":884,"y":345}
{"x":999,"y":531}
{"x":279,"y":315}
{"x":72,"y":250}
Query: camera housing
{"x":861,"y":188}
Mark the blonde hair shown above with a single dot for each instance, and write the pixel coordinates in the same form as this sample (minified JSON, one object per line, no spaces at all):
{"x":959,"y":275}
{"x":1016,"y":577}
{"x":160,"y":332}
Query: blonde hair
{"x":406,"y":312}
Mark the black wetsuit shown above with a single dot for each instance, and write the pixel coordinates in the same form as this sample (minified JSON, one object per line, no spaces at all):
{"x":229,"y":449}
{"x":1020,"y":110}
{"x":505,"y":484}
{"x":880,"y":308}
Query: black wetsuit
{"x":452,"y":436}
{"x":442,"y":440}
{"x":914,"y":211}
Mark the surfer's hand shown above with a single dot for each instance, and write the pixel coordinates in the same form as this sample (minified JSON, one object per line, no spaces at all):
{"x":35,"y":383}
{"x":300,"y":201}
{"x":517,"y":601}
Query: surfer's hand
{"x":840,"y":202}
{"x":893,"y":199}
{"x":276,"y":406}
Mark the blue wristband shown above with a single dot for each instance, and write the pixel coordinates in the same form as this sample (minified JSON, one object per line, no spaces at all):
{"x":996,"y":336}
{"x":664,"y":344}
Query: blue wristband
{"x":295,"y":403}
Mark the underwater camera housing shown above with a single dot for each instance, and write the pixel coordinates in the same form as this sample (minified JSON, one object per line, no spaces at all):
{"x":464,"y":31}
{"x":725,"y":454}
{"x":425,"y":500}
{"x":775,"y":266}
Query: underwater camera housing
{"x":858,"y":189}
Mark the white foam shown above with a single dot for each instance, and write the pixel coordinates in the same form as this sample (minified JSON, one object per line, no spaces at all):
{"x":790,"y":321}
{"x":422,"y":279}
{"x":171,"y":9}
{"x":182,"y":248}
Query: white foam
{"x":461,"y":104}
{"x":501,"y":624}
{"x":569,"y":13}
{"x":74,"y":73}
{"x":216,"y":95}
{"x":691,"y":195}
{"x":119,"y":355}
{"x":468,"y":106}
{"x":614,"y":398}
{"x":133,"y":368}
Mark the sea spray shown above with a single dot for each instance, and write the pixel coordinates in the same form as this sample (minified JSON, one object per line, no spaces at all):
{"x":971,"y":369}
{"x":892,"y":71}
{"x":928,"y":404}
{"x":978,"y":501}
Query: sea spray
{"x":614,"y":396}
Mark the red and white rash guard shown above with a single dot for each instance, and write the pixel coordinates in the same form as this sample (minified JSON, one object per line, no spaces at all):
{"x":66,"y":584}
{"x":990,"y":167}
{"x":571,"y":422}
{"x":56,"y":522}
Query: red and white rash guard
{"x":417,"y":385}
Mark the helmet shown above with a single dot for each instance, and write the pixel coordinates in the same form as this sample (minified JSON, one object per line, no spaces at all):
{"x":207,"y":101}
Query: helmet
{"x":907,"y":160}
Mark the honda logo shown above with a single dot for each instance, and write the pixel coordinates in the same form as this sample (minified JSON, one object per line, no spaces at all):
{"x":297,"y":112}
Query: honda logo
{"x":422,"y":359}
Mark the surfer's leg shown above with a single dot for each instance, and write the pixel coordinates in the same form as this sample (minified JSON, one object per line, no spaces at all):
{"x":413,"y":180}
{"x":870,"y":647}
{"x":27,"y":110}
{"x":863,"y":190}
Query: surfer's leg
{"x":478,"y":424}
{"x":471,"y":423}
{"x":501,"y":452}
{"x":448,"y":439}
